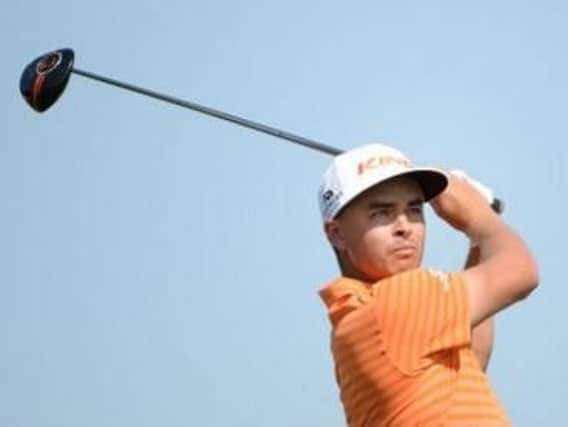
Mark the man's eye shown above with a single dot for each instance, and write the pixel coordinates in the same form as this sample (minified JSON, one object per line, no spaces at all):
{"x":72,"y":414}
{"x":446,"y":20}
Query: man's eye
{"x":380,"y":212}
{"x":416,"y":210}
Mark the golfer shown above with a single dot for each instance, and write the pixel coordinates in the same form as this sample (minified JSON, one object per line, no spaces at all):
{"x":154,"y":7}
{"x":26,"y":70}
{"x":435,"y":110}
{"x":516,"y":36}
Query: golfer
{"x":410,"y":344}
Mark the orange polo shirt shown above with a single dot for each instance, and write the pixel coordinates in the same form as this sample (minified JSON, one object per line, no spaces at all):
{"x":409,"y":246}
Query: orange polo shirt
{"x":402,"y":353}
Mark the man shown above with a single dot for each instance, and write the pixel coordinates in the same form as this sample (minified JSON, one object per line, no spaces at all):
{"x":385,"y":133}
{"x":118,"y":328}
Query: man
{"x":403,"y":337}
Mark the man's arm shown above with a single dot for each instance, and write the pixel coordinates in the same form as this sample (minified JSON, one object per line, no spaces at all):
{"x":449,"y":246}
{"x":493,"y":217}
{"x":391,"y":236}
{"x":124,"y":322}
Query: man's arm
{"x":482,"y":342}
{"x":482,"y":335}
{"x":507,"y":271}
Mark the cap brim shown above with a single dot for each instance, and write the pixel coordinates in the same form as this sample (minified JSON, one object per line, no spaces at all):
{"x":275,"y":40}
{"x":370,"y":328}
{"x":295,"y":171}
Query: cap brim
{"x":431,"y":181}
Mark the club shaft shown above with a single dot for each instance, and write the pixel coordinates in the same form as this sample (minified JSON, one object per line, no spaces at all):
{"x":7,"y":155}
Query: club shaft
{"x":318,"y":146}
{"x":278,"y":133}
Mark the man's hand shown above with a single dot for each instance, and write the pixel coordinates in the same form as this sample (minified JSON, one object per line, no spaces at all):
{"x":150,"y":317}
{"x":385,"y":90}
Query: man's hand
{"x":483,"y":189}
{"x":465,"y":207}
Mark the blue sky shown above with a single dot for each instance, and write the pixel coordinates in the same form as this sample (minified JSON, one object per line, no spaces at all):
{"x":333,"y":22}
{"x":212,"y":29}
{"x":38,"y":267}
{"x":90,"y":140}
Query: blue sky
{"x":159,"y":267}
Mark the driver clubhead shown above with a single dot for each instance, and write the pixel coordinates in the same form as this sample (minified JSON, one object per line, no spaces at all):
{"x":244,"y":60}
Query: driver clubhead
{"x":45,"y":78}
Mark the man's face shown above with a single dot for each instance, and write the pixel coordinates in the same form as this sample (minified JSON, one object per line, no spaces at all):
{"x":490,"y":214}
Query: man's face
{"x":381,"y":232}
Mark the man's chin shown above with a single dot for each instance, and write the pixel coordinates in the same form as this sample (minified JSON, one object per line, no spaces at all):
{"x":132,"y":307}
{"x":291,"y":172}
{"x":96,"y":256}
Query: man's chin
{"x":396,"y":266}
{"x":392,"y":269}
{"x":402,"y":265}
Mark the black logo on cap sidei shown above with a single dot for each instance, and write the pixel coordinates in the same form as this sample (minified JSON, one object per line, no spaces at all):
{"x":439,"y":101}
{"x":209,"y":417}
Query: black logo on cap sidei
{"x":327,"y":195}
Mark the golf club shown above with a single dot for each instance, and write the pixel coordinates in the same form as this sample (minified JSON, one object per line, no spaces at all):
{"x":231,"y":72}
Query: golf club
{"x":45,"y":78}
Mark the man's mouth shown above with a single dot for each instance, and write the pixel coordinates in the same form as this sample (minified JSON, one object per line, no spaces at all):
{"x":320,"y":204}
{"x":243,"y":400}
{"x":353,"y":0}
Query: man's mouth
{"x":404,"y":250}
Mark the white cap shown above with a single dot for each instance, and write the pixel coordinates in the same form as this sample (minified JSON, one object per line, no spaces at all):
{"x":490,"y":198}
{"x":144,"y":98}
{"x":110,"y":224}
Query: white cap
{"x":357,"y":170}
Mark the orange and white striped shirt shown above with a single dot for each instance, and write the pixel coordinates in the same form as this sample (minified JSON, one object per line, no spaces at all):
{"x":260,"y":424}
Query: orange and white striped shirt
{"x":402,"y":353}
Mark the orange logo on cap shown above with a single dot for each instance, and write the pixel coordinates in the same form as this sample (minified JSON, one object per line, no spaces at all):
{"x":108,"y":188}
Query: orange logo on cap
{"x":375,"y":162}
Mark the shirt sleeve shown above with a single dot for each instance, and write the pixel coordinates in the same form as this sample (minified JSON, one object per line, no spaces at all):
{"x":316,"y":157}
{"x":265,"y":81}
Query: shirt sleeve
{"x":342,"y":299}
{"x":420,"y":313}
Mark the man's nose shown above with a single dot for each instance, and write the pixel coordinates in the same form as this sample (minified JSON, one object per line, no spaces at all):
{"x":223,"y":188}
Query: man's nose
{"x":402,"y":225}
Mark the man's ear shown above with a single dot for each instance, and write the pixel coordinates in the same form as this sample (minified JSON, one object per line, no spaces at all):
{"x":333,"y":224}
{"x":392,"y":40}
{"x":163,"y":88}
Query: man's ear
{"x":334,"y":235}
